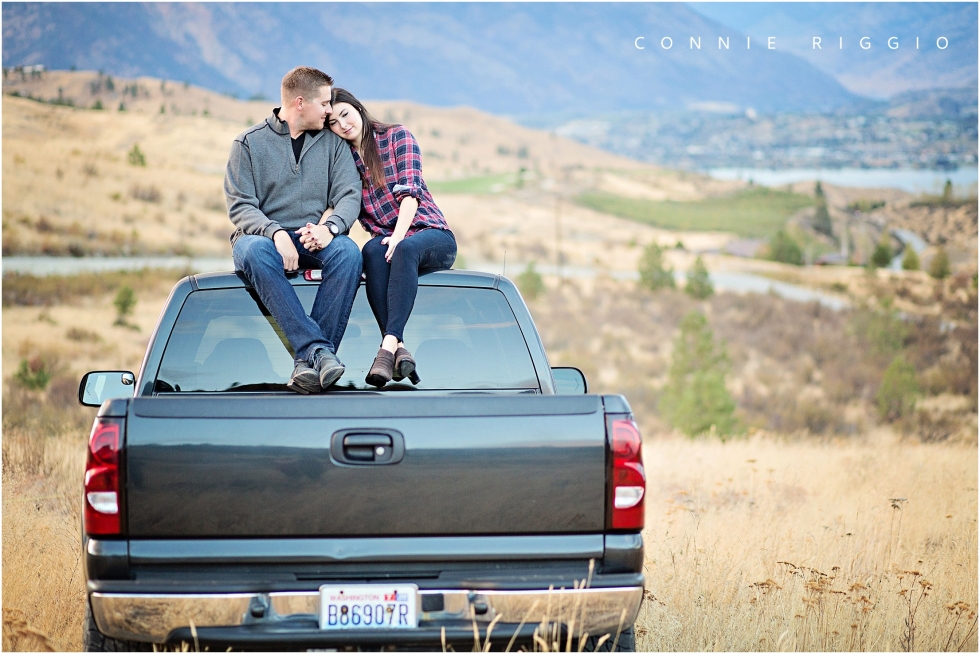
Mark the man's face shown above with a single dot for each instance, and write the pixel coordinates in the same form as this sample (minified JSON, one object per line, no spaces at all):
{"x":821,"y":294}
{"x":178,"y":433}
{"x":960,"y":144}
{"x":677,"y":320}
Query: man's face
{"x":315,"y":110}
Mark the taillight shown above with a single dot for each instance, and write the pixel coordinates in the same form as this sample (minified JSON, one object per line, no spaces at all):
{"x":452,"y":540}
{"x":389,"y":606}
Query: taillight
{"x":629,"y":483}
{"x":102,"y":479}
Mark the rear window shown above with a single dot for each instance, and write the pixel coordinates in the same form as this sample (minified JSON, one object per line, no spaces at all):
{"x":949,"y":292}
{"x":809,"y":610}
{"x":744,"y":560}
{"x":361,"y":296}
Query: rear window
{"x":461,"y":338}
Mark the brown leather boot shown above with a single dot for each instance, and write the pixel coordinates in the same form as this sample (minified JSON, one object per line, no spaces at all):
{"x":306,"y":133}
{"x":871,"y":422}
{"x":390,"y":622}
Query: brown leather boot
{"x":404,"y":365}
{"x":381,"y":369}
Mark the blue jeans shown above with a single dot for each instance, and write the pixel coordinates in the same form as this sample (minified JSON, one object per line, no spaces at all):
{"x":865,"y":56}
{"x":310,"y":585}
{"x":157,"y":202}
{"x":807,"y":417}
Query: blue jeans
{"x":392,"y":287}
{"x":257,"y":257}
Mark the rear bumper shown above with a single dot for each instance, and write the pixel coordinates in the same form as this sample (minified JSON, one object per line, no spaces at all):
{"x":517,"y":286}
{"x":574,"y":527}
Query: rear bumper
{"x":261,"y":620}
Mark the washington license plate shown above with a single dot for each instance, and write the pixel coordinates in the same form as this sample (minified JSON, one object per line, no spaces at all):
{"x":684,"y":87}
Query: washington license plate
{"x":369,"y":606}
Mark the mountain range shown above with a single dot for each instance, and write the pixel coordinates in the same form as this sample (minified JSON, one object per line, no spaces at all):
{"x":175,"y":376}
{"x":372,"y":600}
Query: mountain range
{"x":882,"y":69}
{"x":506,"y":58}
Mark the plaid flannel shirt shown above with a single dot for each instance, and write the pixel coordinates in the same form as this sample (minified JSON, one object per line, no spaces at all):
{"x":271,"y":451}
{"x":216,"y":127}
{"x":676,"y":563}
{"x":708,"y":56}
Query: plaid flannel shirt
{"x":403,"y":178}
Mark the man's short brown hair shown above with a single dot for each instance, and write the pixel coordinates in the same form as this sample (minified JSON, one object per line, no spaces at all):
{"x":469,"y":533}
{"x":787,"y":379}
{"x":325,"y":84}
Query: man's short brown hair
{"x":304,"y":81}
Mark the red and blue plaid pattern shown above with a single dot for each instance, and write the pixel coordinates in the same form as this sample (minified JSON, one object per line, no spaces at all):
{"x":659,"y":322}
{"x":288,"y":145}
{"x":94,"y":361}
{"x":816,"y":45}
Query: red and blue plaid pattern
{"x":403,"y":178}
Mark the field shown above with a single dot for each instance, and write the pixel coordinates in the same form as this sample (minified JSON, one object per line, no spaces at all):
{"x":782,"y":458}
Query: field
{"x":769,"y":544}
{"x":821,"y":522}
{"x":477,"y":185}
{"x":750,"y":212}
{"x":765,"y":542}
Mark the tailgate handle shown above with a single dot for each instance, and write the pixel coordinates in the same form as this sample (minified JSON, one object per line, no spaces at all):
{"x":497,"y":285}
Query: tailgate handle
{"x":361,"y":447}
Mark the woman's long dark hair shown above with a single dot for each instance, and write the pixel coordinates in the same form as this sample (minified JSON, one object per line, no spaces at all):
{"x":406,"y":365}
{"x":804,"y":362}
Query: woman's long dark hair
{"x":369,"y":147}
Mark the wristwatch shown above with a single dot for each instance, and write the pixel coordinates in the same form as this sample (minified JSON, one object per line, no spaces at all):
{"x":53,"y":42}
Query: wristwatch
{"x":333,"y":228}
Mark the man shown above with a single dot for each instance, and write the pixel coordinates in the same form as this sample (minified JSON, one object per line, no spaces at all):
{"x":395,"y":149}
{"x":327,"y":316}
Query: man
{"x":282,"y":176}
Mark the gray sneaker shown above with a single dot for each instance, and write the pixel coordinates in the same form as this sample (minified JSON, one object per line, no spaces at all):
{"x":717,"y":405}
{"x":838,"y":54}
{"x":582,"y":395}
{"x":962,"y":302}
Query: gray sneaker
{"x":305,"y":379}
{"x":328,"y":366}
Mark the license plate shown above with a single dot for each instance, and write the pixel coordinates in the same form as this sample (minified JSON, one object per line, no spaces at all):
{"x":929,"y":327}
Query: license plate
{"x":369,"y":606}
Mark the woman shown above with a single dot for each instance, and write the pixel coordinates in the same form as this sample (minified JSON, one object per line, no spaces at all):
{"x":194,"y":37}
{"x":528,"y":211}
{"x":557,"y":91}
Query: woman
{"x":410,"y":234}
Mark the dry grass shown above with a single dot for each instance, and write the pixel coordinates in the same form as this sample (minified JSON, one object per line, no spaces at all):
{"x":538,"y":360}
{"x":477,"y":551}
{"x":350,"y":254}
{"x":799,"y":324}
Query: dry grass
{"x":763,"y":543}
{"x":64,"y":165}
{"x":740,"y":537}
{"x":69,"y":187}
{"x":767,"y":544}
{"x":43,"y":581}
{"x":44,"y":441}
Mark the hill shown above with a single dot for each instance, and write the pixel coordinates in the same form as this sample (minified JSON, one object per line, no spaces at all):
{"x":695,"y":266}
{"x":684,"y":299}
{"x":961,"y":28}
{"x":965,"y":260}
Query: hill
{"x":510,"y":192}
{"x":70,"y":187}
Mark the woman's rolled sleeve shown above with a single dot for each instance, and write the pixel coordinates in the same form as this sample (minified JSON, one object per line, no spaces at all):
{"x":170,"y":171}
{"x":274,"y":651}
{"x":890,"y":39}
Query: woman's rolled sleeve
{"x":408,"y":166}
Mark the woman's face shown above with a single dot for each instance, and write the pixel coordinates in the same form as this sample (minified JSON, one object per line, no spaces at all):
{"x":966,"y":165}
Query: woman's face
{"x":345,"y":122}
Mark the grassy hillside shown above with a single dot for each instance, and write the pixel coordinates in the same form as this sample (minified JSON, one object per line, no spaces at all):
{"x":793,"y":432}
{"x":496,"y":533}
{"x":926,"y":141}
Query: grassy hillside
{"x":749,"y":212}
{"x":79,"y":180}
{"x":778,"y":540}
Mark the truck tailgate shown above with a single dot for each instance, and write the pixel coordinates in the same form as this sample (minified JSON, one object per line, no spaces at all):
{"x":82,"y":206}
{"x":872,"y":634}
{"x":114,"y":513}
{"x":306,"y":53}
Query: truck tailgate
{"x":261,"y":466}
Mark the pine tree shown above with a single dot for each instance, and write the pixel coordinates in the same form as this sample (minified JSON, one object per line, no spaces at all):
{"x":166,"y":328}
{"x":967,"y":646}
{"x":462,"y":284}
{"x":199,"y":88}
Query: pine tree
{"x":530,"y":282}
{"x":784,"y":249}
{"x":948,"y":193}
{"x":821,"y":220}
{"x":124,"y":302}
{"x":896,"y":396}
{"x":883,"y":253}
{"x":939,"y":266}
{"x":653,"y":274}
{"x":910,"y":260}
{"x":695,"y":398}
{"x":698,"y":281}
{"x":136,"y":156}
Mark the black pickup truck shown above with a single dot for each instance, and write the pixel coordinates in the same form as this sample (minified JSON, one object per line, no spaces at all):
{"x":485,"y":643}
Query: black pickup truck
{"x":494,"y":503}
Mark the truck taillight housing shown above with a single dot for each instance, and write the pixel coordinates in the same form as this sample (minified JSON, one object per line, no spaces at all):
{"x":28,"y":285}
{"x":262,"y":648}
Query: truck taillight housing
{"x":102,"y":479}
{"x":629,"y":481}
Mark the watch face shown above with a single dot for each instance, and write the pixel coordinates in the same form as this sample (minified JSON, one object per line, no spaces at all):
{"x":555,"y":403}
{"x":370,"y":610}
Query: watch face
{"x":334,"y":229}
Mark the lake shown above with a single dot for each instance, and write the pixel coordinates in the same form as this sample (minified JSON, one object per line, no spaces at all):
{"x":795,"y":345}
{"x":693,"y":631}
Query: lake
{"x":913,"y":181}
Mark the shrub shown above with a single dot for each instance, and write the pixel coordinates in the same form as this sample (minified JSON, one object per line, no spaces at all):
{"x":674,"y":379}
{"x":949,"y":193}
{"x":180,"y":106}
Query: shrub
{"x":882,"y":332}
{"x":883,"y":253}
{"x":530,"y":282}
{"x":653,"y":275}
{"x":83,"y":335}
{"x":784,"y":249}
{"x":939,"y":266}
{"x":135,"y":155}
{"x":145,"y":193}
{"x":865,"y":206}
{"x":896,"y":396}
{"x":33,"y":374}
{"x":910,"y":260}
{"x":698,"y":281}
{"x":124,"y":303}
{"x":695,"y":399}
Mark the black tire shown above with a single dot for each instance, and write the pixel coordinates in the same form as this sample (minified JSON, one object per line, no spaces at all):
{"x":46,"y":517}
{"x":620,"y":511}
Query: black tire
{"x":95,"y":641}
{"x":626,"y":642}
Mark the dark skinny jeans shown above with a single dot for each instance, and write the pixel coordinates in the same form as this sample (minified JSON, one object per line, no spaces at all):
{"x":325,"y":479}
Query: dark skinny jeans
{"x":392,"y":287}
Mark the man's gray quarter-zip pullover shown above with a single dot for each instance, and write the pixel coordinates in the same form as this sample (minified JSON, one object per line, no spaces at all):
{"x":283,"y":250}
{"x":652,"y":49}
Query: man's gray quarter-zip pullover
{"x":268,"y":190}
